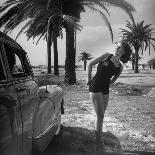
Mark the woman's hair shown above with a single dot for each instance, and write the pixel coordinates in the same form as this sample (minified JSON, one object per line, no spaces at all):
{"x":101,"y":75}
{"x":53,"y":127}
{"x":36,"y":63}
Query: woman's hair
{"x":127,"y":52}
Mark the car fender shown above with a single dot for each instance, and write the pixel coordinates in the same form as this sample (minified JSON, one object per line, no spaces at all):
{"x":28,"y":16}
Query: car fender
{"x":46,"y":116}
{"x":9,"y":103}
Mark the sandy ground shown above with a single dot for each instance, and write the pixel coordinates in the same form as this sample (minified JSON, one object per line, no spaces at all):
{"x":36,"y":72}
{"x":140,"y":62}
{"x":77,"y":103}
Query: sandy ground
{"x":129,"y":123}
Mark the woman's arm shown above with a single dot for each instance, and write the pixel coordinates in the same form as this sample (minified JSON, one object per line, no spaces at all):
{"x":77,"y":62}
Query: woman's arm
{"x":115,"y":77}
{"x":94,"y":62}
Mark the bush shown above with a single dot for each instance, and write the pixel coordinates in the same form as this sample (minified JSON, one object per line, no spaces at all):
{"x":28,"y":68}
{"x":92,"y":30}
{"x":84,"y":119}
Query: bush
{"x":151,"y":62}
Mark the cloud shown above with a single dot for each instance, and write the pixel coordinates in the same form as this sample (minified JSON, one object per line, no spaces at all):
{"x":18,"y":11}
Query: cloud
{"x":97,"y":39}
{"x":145,"y":10}
{"x":93,"y":38}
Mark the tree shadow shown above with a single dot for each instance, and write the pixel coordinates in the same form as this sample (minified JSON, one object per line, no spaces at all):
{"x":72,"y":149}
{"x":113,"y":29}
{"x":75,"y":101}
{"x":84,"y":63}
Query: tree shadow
{"x":137,"y":153}
{"x":81,"y":141}
{"x":132,"y":76}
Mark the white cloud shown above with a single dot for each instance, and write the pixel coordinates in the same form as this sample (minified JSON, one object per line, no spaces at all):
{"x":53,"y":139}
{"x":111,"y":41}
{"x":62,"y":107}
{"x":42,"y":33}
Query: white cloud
{"x":97,"y":39}
{"x":91,"y":38}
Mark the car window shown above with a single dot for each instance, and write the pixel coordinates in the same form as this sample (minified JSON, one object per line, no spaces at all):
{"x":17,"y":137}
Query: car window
{"x":17,"y":62}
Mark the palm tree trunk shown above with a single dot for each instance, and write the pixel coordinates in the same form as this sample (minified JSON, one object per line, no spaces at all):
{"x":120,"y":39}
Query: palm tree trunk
{"x":49,"y":46}
{"x":55,"y":48}
{"x":70,"y":75}
{"x":133,"y":64}
{"x":136,"y":61}
{"x":85,"y":63}
{"x":49,"y":55}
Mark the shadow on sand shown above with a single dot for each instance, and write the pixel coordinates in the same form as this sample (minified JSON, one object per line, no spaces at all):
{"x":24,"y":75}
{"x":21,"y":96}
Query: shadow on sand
{"x":81,"y":141}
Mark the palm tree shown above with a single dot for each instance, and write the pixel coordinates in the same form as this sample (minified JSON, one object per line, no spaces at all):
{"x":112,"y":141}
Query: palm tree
{"x":70,"y":8}
{"x":84,"y":57}
{"x":75,"y":8}
{"x":57,"y":22}
{"x":41,"y":14}
{"x":133,"y":60}
{"x":21,"y":10}
{"x":43,"y":22}
{"x":139,"y":36}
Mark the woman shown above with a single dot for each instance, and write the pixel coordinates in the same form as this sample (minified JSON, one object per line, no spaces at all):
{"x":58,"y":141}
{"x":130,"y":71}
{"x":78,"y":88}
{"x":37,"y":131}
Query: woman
{"x":109,"y":68}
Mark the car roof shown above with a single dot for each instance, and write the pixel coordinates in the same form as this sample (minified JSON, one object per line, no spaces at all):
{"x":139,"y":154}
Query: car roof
{"x":6,"y":39}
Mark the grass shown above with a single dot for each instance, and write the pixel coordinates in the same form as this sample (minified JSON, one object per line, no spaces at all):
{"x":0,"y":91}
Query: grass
{"x":128,"y":124}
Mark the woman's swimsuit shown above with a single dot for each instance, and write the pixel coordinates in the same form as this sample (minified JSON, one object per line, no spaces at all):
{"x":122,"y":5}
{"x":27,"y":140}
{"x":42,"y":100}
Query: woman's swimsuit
{"x":105,"y":70}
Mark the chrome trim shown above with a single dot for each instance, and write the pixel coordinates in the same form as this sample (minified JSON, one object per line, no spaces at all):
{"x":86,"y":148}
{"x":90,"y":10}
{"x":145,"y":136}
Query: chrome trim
{"x":5,"y":67}
{"x":56,"y":121}
{"x":11,"y":42}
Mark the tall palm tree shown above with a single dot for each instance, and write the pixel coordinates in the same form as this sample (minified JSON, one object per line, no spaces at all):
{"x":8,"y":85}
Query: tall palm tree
{"x":70,"y":8}
{"x":40,"y":12}
{"x":75,"y":8}
{"x":44,"y":21}
{"x":28,"y":8}
{"x":139,"y":36}
{"x":85,"y":57}
{"x":57,"y":22}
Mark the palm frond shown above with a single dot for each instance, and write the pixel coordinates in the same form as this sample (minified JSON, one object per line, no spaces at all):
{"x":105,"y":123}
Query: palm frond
{"x":141,"y":24}
{"x":125,"y":31}
{"x":25,"y":9}
{"x":105,"y":19}
{"x":23,"y":28}
{"x":128,"y":8}
{"x":8,"y":4}
{"x":6,"y":17}
{"x":130,"y":26}
{"x":140,"y":34}
{"x":94,"y":3}
{"x":152,"y":45}
{"x":104,"y":8}
{"x":43,"y":33}
{"x":79,"y":59}
{"x":146,"y":26}
{"x":71,"y":22}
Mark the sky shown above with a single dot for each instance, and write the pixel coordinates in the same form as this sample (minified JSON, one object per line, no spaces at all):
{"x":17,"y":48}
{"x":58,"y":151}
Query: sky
{"x":94,"y":37}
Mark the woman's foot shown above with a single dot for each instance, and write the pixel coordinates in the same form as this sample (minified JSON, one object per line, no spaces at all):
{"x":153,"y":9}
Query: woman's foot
{"x":98,"y":138}
{"x":99,"y":143}
{"x":100,"y":146}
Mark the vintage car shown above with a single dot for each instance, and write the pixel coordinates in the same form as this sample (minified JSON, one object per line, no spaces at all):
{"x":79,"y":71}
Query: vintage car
{"x":30,"y":115}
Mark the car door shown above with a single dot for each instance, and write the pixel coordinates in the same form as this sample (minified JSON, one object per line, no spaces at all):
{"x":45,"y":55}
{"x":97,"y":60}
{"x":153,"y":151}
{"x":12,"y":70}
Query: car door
{"x":10,"y":113}
{"x":27,"y":92}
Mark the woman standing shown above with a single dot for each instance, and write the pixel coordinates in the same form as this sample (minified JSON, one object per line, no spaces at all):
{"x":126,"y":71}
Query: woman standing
{"x":109,"y":68}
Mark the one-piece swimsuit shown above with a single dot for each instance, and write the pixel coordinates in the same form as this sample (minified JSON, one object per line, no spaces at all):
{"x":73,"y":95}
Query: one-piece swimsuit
{"x":105,"y":70}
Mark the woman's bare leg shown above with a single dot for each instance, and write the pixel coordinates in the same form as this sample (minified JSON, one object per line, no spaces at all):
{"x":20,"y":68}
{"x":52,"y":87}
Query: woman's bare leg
{"x":100,"y":103}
